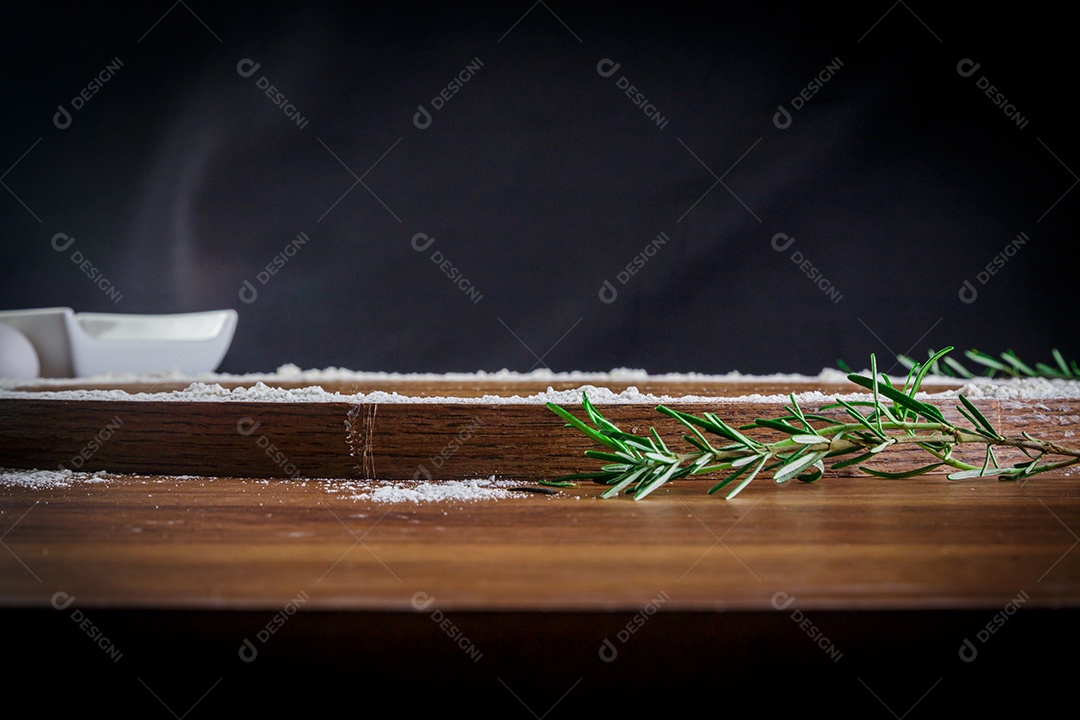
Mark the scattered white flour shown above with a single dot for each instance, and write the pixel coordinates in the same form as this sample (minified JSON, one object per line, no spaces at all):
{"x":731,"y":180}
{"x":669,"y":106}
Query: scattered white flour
{"x":291,"y":373}
{"x":1024,"y":388}
{"x":207,"y":387}
{"x":424,"y":492}
{"x":48,"y":479}
{"x":380,"y":491}
{"x":260,"y":392}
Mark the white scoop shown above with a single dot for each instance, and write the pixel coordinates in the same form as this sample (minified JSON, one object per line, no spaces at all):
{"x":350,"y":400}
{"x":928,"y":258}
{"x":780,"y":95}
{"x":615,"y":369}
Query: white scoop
{"x":71,"y":344}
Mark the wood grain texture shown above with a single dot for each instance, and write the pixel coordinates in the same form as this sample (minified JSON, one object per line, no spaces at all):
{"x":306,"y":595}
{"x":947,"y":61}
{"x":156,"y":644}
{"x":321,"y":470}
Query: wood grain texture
{"x":397,"y":441}
{"x":841,"y":544}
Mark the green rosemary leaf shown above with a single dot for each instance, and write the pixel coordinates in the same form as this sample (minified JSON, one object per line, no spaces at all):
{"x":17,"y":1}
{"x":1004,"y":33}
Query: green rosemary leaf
{"x":636,"y":441}
{"x":814,"y":475}
{"x":926,"y":368}
{"x":1045,"y":370}
{"x":775,"y":425}
{"x":875,"y":384}
{"x":601,"y":455}
{"x":980,"y":472}
{"x":691,"y":421}
{"x":852,"y":461}
{"x":791,"y":469}
{"x":620,"y":483}
{"x":860,"y":418}
{"x":928,"y":411}
{"x":731,"y":432}
{"x":900,"y":475}
{"x":1021,"y":368}
{"x":704,"y":448}
{"x":959,"y":369}
{"x":984,"y":359}
{"x":558,"y":483}
{"x":1061,"y":362}
{"x":980,"y":419}
{"x":822,"y":418}
{"x":684,"y":418}
{"x":975,"y":424}
{"x":878,"y":448}
{"x":598,"y":420}
{"x":578,"y":424}
{"x":797,"y":413}
{"x":745,"y":460}
{"x":747,"y":480}
{"x":910,"y":376}
{"x":659,"y":440}
{"x":656,"y":483}
{"x":726,"y":481}
{"x":944,"y":368}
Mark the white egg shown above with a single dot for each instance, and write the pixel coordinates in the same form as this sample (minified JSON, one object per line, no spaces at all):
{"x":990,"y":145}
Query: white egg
{"x":18,"y":358}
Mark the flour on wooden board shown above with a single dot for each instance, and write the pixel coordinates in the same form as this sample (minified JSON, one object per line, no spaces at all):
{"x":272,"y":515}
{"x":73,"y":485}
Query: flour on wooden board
{"x":207,"y":388}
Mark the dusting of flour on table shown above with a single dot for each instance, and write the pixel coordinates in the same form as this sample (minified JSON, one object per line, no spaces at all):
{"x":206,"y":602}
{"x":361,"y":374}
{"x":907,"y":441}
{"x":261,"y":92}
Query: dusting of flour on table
{"x":418,"y":492}
{"x":47,"y":479}
{"x":379,"y":491}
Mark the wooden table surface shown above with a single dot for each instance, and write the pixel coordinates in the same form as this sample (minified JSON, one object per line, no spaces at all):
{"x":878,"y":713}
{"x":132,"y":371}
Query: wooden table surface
{"x":877,"y":597}
{"x":171,"y":595}
{"x":843,"y":543}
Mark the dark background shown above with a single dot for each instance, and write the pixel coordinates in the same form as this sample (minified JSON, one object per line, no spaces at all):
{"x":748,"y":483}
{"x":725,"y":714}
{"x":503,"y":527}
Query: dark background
{"x":540,"y":180}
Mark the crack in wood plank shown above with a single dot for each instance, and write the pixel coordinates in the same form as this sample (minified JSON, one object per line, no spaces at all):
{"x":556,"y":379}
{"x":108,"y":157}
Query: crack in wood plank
{"x":363,"y":436}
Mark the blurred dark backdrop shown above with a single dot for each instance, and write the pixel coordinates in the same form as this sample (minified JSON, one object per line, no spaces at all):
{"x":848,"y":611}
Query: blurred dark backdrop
{"x":539,"y":179}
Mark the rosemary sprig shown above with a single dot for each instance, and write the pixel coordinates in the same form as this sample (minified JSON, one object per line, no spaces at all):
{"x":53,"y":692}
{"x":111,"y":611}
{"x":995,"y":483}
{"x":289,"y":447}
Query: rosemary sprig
{"x":1006,"y":365}
{"x":640,"y":464}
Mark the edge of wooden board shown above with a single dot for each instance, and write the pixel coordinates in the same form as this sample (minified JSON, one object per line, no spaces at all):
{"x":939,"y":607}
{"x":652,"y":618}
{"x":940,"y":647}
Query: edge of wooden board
{"x":386,"y":441}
